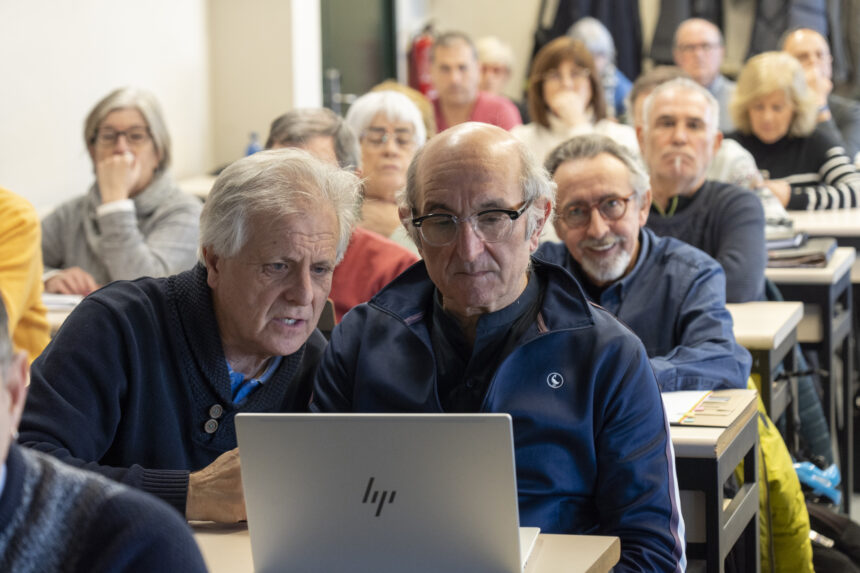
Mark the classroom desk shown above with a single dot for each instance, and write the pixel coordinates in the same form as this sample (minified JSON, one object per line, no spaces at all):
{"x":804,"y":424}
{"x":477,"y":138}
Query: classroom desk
{"x":826,"y":327}
{"x":227,"y":548}
{"x":705,"y":457}
{"x":769,"y":331}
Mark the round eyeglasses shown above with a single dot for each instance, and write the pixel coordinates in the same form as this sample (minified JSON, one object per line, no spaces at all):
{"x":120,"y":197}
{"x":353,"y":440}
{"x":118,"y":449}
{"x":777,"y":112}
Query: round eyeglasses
{"x":134,"y":136}
{"x":378,"y":136}
{"x":578,"y":215}
{"x":491,"y":225}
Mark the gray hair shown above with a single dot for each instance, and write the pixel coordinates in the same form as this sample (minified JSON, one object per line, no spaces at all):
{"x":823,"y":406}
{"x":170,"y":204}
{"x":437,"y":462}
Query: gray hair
{"x":591,"y":32}
{"x":534,"y":180}
{"x":297,"y":126}
{"x":681,"y":84}
{"x":276,"y":183}
{"x":144,"y":102}
{"x":6,"y":351}
{"x":448,"y":39}
{"x":592,"y":145}
{"x":393,"y":105}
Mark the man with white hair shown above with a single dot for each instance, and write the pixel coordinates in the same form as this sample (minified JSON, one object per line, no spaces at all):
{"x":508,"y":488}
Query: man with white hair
{"x":143,"y":381}
{"x":679,"y":137}
{"x":699,"y":50}
{"x":841,"y":115}
{"x":672,"y":295}
{"x":481,"y":326}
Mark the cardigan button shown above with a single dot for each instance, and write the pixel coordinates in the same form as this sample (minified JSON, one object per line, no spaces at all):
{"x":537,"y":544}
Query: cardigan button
{"x":210,"y":426}
{"x":215,"y":411}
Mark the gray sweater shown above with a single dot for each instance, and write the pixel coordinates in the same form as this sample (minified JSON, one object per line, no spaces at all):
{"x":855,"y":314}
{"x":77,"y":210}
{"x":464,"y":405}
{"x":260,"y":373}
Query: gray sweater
{"x":158,"y":238}
{"x":57,"y":518}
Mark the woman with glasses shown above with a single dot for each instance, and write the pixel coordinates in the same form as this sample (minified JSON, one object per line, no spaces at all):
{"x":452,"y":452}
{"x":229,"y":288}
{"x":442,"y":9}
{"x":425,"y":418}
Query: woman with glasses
{"x":390,"y":130}
{"x":776,"y":115}
{"x":565,"y":99}
{"x":134,"y":221}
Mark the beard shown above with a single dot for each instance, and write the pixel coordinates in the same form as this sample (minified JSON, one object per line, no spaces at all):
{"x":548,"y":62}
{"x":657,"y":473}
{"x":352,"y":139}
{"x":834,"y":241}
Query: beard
{"x":604,"y":270}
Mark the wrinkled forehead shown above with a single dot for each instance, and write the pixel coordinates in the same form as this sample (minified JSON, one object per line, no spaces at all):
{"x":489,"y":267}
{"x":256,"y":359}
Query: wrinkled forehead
{"x":681,"y":103}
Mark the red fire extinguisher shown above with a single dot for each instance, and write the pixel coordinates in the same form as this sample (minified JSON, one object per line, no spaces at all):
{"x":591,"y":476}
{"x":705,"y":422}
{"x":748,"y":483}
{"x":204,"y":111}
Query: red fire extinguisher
{"x":419,"y":62}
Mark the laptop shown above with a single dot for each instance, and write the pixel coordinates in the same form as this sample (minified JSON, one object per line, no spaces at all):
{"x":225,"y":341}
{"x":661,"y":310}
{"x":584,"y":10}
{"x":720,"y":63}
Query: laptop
{"x":382,"y":492}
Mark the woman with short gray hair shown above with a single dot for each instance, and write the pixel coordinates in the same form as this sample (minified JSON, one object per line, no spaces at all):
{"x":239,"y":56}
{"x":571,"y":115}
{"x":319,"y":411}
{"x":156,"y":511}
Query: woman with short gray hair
{"x":390,"y":130}
{"x":134,"y":221}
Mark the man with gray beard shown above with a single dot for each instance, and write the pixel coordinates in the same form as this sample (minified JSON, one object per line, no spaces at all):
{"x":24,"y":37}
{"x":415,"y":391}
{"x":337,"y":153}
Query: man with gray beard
{"x":672,"y":295}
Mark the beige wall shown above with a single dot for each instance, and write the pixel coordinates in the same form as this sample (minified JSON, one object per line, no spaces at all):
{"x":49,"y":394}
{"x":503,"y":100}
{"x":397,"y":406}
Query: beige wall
{"x":62,"y":57}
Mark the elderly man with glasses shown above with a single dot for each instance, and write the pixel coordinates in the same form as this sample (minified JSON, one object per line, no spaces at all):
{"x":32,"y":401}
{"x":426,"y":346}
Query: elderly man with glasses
{"x":699,"y":51}
{"x":672,"y":295}
{"x":481,"y":326}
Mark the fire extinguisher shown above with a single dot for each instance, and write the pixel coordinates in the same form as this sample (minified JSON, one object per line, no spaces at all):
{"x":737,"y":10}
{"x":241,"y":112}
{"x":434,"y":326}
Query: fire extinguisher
{"x":419,"y":62}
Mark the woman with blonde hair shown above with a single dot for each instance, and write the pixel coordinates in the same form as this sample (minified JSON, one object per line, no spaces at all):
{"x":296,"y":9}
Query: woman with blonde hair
{"x":775,"y":114}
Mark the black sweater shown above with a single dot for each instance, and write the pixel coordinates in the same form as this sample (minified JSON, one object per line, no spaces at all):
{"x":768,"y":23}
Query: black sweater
{"x":820,"y":174}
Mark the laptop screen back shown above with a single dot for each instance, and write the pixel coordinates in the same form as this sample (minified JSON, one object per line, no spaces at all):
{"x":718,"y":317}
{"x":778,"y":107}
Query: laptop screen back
{"x":392,"y":492}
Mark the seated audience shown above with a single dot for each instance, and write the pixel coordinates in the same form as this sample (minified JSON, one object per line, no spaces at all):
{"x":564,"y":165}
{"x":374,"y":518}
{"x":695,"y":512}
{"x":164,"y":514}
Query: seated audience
{"x":21,"y":274}
{"x":480,"y":326}
{"x":566,"y":99}
{"x":839,"y":114}
{"x":591,"y":32}
{"x":390,"y":130}
{"x":699,"y":50}
{"x":371,"y":261}
{"x":672,"y":295}
{"x":134,"y":221}
{"x":776,"y":116}
{"x":679,"y":138}
{"x":455,"y":77}
{"x":57,"y":518}
{"x":144,"y":381}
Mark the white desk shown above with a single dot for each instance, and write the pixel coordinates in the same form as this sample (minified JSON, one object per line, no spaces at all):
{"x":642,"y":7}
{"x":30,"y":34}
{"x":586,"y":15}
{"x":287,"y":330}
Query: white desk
{"x":769,"y":331}
{"x":827,"y":328}
{"x":705,"y":457}
{"x":227,"y":549}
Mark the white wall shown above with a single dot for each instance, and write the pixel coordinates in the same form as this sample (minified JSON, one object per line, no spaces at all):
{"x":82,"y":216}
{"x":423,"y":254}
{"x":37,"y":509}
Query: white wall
{"x":512,"y":21}
{"x":59,"y":58}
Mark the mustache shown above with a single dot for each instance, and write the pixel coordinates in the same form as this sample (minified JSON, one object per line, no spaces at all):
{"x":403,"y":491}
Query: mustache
{"x":607,"y":240}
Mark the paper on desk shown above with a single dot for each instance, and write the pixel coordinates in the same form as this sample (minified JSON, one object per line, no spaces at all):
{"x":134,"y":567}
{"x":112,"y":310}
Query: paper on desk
{"x":61,"y":301}
{"x":682,"y":405}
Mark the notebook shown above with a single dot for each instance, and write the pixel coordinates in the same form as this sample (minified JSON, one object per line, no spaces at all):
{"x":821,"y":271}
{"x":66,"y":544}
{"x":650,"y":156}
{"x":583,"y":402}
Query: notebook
{"x":382,"y":492}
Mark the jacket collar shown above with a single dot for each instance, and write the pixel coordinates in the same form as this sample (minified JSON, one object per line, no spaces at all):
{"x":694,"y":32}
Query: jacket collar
{"x":410,"y":296}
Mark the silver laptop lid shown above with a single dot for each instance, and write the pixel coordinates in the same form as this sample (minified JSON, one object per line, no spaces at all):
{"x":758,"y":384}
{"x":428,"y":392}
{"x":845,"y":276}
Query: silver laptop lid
{"x":390,"y":492}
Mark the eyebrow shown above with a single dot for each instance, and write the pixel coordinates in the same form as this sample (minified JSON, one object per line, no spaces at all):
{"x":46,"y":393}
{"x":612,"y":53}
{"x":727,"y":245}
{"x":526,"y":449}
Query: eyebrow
{"x":488,"y":204}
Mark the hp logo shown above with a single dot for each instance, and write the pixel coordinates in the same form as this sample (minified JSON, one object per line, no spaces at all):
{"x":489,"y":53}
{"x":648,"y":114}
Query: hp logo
{"x":554,"y":380}
{"x":371,"y":496}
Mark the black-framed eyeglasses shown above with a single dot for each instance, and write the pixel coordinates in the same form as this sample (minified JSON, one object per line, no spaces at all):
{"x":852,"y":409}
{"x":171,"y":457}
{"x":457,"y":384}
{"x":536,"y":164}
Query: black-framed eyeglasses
{"x":491,"y":225}
{"x":134,"y":136}
{"x":574,"y":75}
{"x":611,"y":208}
{"x":378,"y":136}
{"x":703,"y":46}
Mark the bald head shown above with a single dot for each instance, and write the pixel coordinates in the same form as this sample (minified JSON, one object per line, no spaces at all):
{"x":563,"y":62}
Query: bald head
{"x":811,"y":49}
{"x":699,"y":50}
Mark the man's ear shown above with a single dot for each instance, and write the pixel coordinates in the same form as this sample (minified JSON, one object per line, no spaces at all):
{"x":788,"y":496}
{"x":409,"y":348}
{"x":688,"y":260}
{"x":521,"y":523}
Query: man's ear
{"x":534,"y":240}
{"x":644,"y":208}
{"x":17,"y":376}
{"x":213,"y":269}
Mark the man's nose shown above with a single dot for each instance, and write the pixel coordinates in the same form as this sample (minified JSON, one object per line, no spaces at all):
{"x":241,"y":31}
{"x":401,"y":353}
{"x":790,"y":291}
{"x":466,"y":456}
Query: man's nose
{"x":300,"y":290}
{"x":469,"y":244}
{"x":597,"y":225}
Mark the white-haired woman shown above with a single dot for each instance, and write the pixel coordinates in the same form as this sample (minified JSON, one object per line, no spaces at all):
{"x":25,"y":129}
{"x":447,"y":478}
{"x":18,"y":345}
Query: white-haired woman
{"x":390,"y":130}
{"x":775,"y":114}
{"x":134,"y":221}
